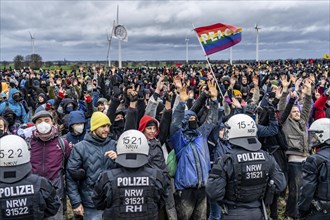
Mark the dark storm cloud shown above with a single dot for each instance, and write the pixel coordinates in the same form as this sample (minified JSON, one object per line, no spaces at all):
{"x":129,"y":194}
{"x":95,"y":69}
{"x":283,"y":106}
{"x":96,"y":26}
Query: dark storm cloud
{"x":77,"y":30}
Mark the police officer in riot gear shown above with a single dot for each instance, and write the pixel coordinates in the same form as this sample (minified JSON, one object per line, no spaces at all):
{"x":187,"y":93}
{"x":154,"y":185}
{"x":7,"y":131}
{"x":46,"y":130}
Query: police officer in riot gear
{"x":314,"y":202}
{"x":23,"y":195}
{"x":238,"y":180}
{"x":133,"y":191}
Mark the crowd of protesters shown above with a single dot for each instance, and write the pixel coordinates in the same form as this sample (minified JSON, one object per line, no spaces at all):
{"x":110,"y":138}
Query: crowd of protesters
{"x":72,"y":119}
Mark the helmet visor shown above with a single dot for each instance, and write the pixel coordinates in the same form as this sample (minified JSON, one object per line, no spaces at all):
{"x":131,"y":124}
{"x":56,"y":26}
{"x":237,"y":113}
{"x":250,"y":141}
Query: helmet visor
{"x":226,"y":131}
{"x":313,"y":138}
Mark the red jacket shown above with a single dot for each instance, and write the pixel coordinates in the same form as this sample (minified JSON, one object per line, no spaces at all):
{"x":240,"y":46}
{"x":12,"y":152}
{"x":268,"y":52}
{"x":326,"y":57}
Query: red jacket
{"x":319,"y":107}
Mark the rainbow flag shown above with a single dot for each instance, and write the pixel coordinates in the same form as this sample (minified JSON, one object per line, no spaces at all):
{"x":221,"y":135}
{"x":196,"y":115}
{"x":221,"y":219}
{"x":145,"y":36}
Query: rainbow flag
{"x":217,"y":37}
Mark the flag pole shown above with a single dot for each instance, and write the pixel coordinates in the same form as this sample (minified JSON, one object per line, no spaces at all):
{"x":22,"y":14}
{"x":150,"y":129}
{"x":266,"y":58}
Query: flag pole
{"x":119,"y":42}
{"x":208,"y":62}
{"x":231,"y":55}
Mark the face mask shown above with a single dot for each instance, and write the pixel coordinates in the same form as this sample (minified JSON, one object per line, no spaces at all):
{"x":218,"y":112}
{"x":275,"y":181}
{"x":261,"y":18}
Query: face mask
{"x":43,"y":127}
{"x":79,"y":128}
{"x":239,"y":100}
{"x":17,"y":98}
{"x":89,"y":87}
{"x":119,"y":124}
{"x":69,"y":109}
{"x":1,"y":133}
{"x":10,"y":120}
{"x":193,"y":124}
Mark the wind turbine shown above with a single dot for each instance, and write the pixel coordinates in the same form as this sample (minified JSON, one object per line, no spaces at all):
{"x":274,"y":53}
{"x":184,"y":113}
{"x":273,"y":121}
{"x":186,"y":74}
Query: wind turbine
{"x":187,"y":45}
{"x":257,"y":43}
{"x":32,"y":41}
{"x":119,"y":41}
{"x":109,"y":37}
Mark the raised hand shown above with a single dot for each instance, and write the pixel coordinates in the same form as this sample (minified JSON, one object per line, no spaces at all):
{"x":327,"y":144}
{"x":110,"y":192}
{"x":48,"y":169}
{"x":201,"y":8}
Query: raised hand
{"x":183,"y":94}
{"x":191,"y":94}
{"x":297,"y":84}
{"x":278,"y":92}
{"x":236,"y":103}
{"x":160,"y":84}
{"x":285,"y":82}
{"x":177,"y":82}
{"x":169,"y":96}
{"x":293,"y":94}
{"x":212,"y":89}
{"x":61,"y":93}
{"x":307,"y":87}
{"x":132,"y":93}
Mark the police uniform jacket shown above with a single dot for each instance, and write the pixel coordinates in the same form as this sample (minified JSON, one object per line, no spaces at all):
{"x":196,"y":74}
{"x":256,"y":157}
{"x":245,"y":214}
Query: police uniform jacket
{"x":315,"y":180}
{"x":240,"y":177}
{"x":33,"y":197}
{"x":131,"y":193}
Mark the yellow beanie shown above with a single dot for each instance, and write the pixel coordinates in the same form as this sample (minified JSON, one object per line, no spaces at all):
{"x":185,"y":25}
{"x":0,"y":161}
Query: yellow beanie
{"x":99,"y":119}
{"x":237,"y":92}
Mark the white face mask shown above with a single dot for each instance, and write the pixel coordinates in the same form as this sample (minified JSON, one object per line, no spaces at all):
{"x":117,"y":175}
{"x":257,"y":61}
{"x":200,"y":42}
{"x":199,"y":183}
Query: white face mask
{"x":44,"y":127}
{"x":79,"y":128}
{"x":89,"y":87}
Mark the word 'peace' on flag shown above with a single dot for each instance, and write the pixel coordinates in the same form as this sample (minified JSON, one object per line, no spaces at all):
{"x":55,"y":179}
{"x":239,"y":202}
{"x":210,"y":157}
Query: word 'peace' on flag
{"x":218,"y":37}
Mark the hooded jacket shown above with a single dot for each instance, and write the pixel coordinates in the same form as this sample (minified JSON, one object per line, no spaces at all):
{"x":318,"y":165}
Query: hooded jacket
{"x":156,"y":155}
{"x":17,"y":107}
{"x":13,"y":122}
{"x":89,"y":156}
{"x":145,"y":120}
{"x":191,"y":147}
{"x":76,"y":117}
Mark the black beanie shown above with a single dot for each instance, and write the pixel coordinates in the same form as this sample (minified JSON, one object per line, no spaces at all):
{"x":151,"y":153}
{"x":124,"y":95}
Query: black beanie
{"x":151,"y":123}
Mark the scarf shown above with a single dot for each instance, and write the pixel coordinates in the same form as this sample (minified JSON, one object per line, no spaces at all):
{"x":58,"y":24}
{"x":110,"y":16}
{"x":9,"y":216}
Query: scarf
{"x":46,"y":137}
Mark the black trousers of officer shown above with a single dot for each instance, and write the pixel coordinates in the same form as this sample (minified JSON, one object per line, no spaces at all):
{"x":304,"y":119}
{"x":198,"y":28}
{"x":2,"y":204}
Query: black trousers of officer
{"x":243,"y":213}
{"x":318,"y":215}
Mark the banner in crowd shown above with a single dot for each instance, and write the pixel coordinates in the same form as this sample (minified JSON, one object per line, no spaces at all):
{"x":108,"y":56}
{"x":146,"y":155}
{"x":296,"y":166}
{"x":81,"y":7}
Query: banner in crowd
{"x":217,"y":37}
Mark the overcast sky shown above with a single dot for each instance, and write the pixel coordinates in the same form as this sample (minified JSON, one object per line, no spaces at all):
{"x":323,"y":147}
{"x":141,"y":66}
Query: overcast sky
{"x":77,"y":30}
